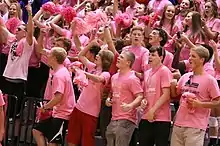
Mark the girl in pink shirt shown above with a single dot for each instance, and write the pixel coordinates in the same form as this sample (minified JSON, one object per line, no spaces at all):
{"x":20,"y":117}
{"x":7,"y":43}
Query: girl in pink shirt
{"x":167,"y":24}
{"x":83,"y":121}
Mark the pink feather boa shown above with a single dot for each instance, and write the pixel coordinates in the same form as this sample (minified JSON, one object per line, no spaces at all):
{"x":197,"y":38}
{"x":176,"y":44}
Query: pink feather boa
{"x":149,"y":19}
{"x":124,"y":20}
{"x":81,"y":26}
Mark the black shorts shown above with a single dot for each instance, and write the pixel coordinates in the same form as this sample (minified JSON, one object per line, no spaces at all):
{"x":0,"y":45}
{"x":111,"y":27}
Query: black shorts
{"x":54,"y":129}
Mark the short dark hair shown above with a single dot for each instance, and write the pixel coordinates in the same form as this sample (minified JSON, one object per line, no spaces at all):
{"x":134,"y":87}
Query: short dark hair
{"x":158,"y":49}
{"x":163,"y":35}
{"x":94,"y":50}
{"x":66,"y":42}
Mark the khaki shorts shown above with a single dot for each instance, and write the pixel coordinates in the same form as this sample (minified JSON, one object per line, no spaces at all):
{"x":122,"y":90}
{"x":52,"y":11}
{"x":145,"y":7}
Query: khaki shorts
{"x":183,"y":136}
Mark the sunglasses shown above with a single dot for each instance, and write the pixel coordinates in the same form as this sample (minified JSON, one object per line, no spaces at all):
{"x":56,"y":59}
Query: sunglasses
{"x":20,"y":29}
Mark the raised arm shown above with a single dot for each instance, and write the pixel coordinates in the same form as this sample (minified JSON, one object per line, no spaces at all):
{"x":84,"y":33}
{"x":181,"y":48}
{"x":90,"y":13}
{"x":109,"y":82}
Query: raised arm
{"x":109,"y":41}
{"x":30,"y":25}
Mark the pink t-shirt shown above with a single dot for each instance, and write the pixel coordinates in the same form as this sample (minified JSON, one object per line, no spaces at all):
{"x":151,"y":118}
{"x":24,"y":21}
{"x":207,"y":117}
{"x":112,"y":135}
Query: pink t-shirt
{"x":139,"y":53}
{"x":168,"y":60}
{"x":48,"y":91}
{"x":205,"y":88}
{"x":214,"y":24}
{"x":154,"y":81}
{"x":217,"y":71}
{"x":17,"y":66}
{"x":124,"y":89}
{"x":2,"y":102}
{"x":157,"y":6}
{"x":6,"y":47}
{"x":62,"y":83}
{"x":89,"y":101}
{"x":132,"y":10}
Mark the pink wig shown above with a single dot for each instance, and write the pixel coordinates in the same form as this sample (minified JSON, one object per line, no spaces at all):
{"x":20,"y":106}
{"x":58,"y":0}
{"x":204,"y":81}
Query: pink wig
{"x":68,"y":13}
{"x":12,"y":24}
{"x":50,"y":7}
{"x":81,"y":26}
{"x":96,"y":19}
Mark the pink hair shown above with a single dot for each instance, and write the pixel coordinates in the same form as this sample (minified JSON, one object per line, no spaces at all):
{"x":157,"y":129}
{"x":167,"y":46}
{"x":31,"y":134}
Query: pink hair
{"x":96,"y":19}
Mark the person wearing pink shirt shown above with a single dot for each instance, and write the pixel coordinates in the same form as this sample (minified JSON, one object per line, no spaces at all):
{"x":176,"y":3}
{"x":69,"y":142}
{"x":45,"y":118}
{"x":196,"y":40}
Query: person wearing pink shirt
{"x":127,"y":94}
{"x":154,"y":127}
{"x":84,"y":118}
{"x":137,"y":38}
{"x":131,"y":9}
{"x":16,"y":69}
{"x":62,"y":102}
{"x":2,"y":117}
{"x":157,"y":6}
{"x":199,"y":91}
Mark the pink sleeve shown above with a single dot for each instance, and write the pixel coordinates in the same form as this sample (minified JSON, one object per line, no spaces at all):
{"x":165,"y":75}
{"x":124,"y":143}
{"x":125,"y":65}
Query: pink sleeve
{"x":166,"y":77}
{"x":106,"y":76}
{"x":135,"y":86}
{"x":180,"y":83}
{"x":58,"y":85}
{"x":67,"y":33}
{"x":90,"y":66}
{"x":187,"y":64}
{"x":216,"y":25}
{"x":213,"y":88}
{"x":2,"y":102}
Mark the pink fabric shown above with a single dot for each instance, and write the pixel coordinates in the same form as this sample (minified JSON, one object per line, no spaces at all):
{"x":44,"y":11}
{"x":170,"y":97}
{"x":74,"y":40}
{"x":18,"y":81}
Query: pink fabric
{"x":214,"y":24}
{"x":6,"y":47}
{"x":34,"y":60}
{"x":89,"y":101}
{"x":81,"y":26}
{"x":139,"y":53}
{"x":62,"y":83}
{"x":205,"y":87}
{"x":145,"y":60}
{"x":132,"y":10}
{"x":168,"y":60}
{"x":96,"y":19}
{"x":157,"y":6}
{"x":124,"y":88}
{"x":217,"y":71}
{"x":66,"y":33}
{"x":19,"y":62}
{"x":154,"y":81}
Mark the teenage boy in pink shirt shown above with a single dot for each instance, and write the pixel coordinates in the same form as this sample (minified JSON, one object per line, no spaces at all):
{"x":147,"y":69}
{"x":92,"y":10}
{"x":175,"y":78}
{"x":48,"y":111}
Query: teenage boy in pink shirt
{"x":136,"y":47}
{"x":2,"y":117}
{"x":154,"y":127}
{"x":62,"y":102}
{"x":127,"y":94}
{"x":199,"y":91}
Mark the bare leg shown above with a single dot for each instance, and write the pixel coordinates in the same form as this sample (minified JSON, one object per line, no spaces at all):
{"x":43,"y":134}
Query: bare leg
{"x":39,"y":138}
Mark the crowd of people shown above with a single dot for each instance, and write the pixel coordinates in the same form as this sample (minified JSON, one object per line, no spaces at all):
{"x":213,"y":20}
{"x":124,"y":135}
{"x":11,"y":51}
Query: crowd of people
{"x":116,"y":65}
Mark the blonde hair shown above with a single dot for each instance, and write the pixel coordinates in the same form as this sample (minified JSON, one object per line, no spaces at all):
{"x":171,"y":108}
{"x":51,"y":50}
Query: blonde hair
{"x":60,"y":54}
{"x":18,"y":8}
{"x":202,"y":52}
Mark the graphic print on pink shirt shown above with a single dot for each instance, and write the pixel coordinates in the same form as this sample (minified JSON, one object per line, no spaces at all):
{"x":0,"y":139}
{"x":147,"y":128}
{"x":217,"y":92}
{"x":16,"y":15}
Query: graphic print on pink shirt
{"x":205,"y":88}
{"x":154,"y":81}
{"x":124,"y":88}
